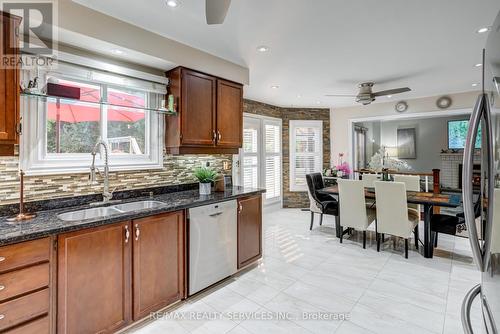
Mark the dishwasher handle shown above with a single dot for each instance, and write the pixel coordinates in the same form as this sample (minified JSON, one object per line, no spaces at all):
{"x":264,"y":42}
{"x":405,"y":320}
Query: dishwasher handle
{"x":215,"y":214}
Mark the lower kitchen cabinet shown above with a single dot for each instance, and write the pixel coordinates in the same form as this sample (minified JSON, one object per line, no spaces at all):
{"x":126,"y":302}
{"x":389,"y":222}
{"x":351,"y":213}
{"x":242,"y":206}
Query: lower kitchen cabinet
{"x":111,"y":276}
{"x":27,"y":280}
{"x":249,"y":230}
{"x":159,"y":262}
{"x":94,"y":280}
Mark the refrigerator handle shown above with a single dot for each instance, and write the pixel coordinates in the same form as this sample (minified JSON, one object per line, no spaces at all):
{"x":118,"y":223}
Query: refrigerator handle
{"x":467,"y":189}
{"x":466,"y":306}
{"x":490,"y":176}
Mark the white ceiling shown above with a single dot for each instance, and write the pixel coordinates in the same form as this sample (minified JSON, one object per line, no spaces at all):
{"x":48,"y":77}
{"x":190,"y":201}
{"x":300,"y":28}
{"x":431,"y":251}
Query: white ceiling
{"x":328,"y":46}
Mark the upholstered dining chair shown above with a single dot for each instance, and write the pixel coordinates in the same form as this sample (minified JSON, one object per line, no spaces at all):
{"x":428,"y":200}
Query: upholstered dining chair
{"x":319,"y":203}
{"x":353,"y":211}
{"x":393,"y":215}
{"x":450,"y":224}
{"x":412,"y":183}
{"x":368,"y":179}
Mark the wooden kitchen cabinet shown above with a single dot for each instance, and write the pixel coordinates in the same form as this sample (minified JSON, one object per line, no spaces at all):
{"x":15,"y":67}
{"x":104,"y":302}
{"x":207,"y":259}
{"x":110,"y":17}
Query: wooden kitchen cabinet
{"x":159,"y":262}
{"x":9,"y":85}
{"x":27,"y":287}
{"x":210,"y":114}
{"x":249,"y":230}
{"x":94,"y":279}
{"x":229,"y":114}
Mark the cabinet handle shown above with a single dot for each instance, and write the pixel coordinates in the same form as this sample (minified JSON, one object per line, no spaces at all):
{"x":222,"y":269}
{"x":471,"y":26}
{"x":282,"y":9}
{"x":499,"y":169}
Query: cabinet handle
{"x":240,"y":208}
{"x":127,"y":234}
{"x":214,"y":136}
{"x":219,"y":136}
{"x":2,"y":287}
{"x":19,"y":127}
{"x":137,"y":232}
{"x":2,"y":258}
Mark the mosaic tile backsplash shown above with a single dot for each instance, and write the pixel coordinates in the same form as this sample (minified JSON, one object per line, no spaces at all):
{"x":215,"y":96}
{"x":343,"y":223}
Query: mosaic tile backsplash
{"x":176,"y":170}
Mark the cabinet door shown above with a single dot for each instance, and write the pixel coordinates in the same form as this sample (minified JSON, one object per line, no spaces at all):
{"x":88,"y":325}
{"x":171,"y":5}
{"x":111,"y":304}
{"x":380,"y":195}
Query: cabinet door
{"x":249,"y":230}
{"x":94,"y":286}
{"x":198,"y":109}
{"x":229,"y":114}
{"x":9,"y":86}
{"x":159,"y":264}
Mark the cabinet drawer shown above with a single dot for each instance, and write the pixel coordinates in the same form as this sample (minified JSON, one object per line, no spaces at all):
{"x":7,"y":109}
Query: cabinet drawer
{"x":39,"y":326}
{"x":23,"y":309}
{"x":24,"y":254}
{"x":22,"y":281}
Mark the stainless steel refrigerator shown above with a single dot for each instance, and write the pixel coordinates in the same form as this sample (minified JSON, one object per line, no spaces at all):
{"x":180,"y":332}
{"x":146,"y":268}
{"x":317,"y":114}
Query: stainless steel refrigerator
{"x":484,"y":232}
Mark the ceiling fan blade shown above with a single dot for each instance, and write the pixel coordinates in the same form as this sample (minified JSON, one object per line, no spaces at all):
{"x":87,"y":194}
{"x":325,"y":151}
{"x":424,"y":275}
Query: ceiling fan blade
{"x":216,"y":10}
{"x":391,"y":91}
{"x":337,"y":95}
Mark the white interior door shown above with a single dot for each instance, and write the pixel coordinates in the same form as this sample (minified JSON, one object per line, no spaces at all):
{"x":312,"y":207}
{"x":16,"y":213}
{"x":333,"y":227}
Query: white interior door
{"x":260,"y":159}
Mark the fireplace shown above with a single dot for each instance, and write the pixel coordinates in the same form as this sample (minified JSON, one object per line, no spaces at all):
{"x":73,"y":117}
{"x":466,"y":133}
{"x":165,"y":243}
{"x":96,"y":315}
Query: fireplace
{"x":476,"y":176}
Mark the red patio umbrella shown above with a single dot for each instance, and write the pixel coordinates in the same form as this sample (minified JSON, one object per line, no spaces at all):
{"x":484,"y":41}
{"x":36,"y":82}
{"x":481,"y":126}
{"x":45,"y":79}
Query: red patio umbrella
{"x":72,"y":111}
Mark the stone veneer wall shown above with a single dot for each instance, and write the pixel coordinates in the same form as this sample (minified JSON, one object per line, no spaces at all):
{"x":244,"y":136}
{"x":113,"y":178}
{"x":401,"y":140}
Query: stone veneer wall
{"x":176,"y":170}
{"x":293,"y":199}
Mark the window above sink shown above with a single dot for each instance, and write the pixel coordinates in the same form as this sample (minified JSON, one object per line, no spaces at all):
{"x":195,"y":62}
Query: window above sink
{"x":59,"y":134}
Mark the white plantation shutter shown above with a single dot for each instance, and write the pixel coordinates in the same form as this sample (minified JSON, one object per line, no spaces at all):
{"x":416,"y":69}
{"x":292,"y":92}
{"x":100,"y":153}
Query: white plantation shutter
{"x":260,"y":156}
{"x":272,"y":141}
{"x":250,"y":154}
{"x":306,"y":152}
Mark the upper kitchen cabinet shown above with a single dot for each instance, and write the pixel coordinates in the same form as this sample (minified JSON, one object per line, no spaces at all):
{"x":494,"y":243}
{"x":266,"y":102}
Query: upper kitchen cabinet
{"x":210,"y":114}
{"x":9,"y":85}
{"x":229,"y":114}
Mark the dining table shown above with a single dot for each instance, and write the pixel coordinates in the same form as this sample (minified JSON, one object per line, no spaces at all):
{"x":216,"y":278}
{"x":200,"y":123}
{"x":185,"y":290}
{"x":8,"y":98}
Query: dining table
{"x":427,"y":199}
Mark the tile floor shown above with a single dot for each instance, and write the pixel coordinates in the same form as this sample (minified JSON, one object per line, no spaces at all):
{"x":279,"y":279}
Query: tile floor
{"x":310,"y":272}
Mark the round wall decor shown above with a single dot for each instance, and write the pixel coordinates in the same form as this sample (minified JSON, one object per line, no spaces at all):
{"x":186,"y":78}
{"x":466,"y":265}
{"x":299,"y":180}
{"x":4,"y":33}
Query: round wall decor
{"x":443,"y":102}
{"x":401,"y":106}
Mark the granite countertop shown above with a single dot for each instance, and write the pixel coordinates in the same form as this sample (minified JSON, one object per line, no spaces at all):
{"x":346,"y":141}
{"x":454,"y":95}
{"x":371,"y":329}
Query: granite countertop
{"x":46,"y":222}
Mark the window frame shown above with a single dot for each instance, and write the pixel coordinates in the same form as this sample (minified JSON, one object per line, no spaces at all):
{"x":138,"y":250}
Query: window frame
{"x":34,"y":158}
{"x":294,"y":124}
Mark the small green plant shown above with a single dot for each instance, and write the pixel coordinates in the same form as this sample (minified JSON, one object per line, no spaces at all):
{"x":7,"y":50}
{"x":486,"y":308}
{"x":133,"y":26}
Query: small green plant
{"x":205,"y":174}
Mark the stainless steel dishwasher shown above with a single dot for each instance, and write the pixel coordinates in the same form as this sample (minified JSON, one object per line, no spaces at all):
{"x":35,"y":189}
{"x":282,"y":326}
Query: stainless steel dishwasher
{"x":213,"y":246}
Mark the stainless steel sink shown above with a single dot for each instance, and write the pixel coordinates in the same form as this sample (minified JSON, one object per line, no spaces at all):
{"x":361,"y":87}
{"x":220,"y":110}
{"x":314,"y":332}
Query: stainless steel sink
{"x":103,"y":212}
{"x":138,"y":206}
{"x":87,"y":214}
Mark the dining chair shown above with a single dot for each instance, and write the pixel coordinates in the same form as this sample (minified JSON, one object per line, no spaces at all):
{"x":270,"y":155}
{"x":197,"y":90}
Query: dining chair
{"x":450,"y":224}
{"x":412,"y":183}
{"x":368,"y":179}
{"x":393,"y":215}
{"x":353,"y":211}
{"x":319,"y":203}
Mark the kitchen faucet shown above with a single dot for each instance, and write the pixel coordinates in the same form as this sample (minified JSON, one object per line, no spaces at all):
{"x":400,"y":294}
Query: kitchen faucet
{"x":106,"y":194}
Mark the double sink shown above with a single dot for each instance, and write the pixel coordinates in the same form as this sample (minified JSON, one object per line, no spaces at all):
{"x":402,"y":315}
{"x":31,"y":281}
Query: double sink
{"x":108,"y":211}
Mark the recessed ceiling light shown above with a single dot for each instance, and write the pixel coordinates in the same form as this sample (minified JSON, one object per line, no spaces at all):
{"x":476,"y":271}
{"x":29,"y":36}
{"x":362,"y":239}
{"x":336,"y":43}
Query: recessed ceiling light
{"x":172,"y":3}
{"x":389,"y":96}
{"x":475,"y":84}
{"x":299,"y":96}
{"x":483,"y":30}
{"x":275,"y":87}
{"x":478,"y":65}
{"x":318,"y":102}
{"x":118,"y":51}
{"x":263,"y":48}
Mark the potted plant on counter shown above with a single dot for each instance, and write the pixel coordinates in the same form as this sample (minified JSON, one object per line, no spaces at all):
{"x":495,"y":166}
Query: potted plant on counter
{"x":205,"y":176}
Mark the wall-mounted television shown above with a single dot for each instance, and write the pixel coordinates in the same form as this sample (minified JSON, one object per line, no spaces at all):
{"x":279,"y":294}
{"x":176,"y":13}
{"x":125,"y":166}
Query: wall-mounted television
{"x":457,"y":134}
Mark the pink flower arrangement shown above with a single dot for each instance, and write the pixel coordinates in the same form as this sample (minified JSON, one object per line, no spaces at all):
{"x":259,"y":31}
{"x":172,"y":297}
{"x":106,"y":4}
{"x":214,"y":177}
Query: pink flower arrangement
{"x":344,"y":168}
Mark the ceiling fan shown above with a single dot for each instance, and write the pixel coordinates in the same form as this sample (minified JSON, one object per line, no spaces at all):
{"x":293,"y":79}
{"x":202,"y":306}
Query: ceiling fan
{"x":216,"y":10}
{"x":367,"y":96}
